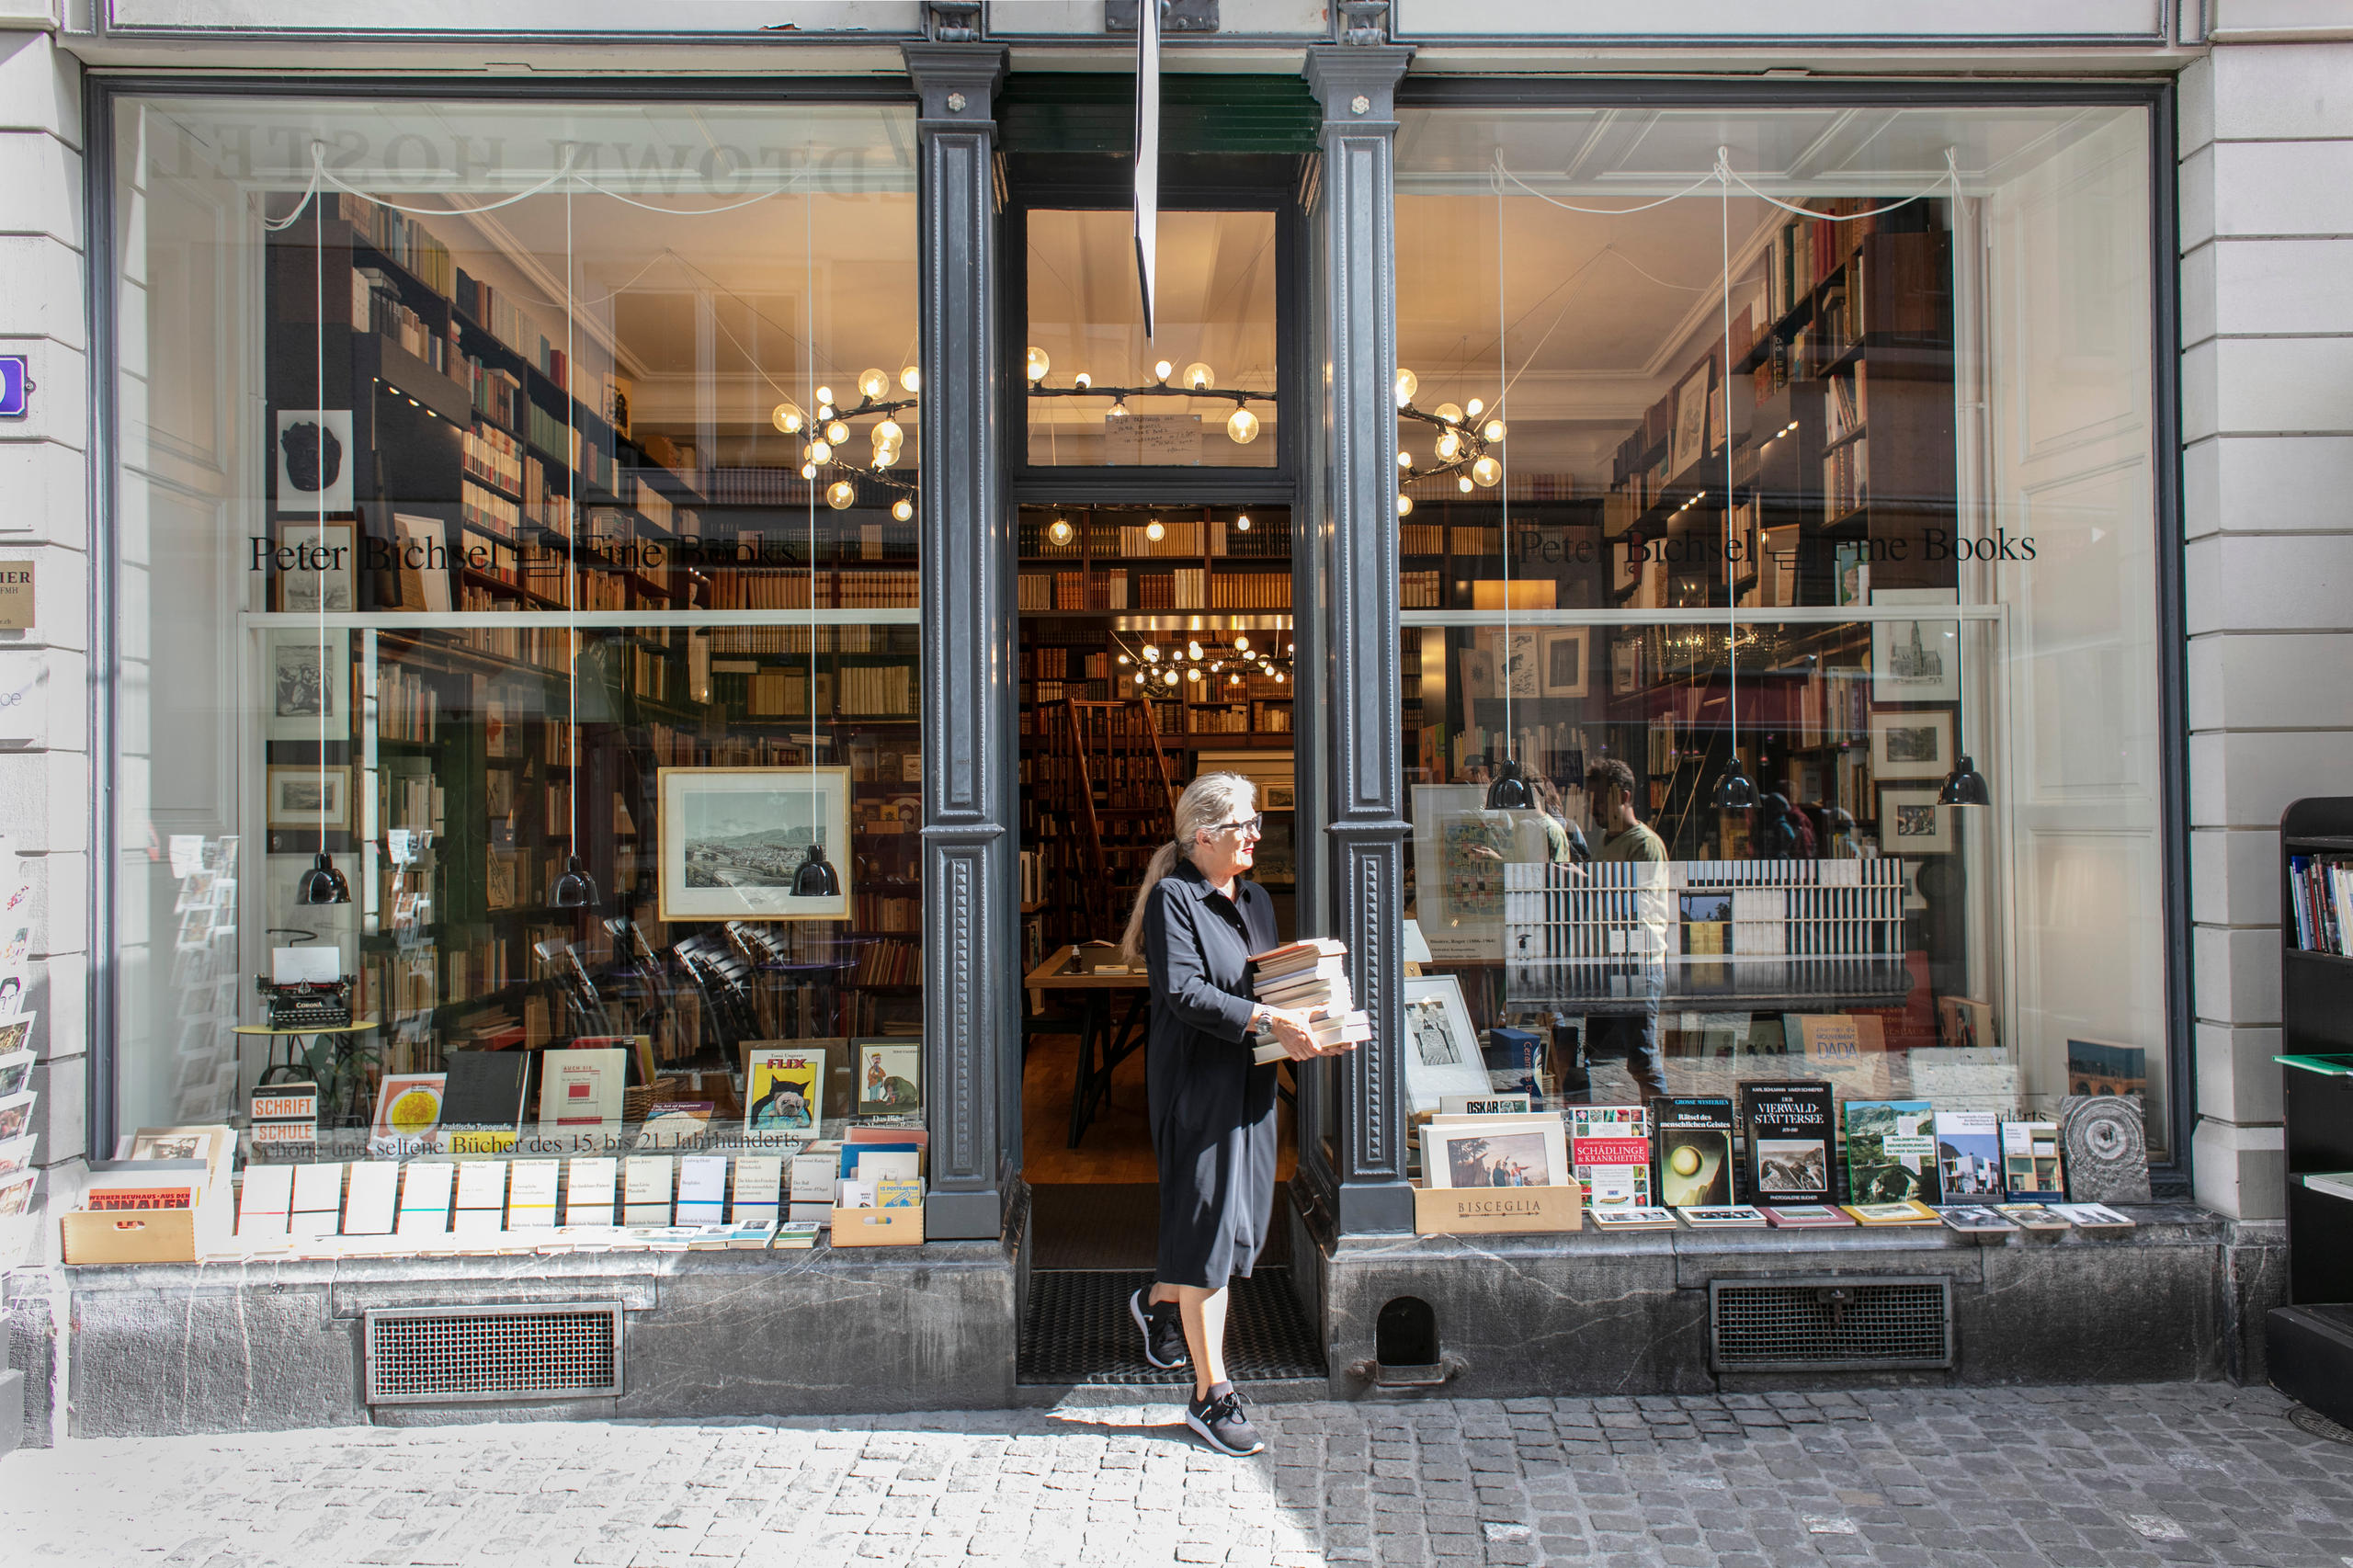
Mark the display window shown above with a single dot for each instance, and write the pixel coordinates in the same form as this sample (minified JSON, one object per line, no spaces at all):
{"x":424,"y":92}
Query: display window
{"x":1775,"y":505}
{"x":518,"y":610}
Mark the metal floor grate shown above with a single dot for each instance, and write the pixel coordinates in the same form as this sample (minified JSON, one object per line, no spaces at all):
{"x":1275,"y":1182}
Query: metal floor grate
{"x":1829,"y":1324}
{"x":436,"y":1355}
{"x":1078,"y":1332}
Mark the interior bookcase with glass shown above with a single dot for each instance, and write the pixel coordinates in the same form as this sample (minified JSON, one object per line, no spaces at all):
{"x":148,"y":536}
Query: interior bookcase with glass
{"x":1788,"y":477}
{"x":563,"y":525}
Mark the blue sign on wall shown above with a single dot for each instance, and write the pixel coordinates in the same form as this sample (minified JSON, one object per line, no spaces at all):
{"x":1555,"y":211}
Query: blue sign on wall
{"x":16,"y":387}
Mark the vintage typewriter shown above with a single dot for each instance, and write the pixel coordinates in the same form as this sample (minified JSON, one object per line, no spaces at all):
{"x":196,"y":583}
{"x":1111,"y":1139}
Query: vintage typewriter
{"x":302,"y":990}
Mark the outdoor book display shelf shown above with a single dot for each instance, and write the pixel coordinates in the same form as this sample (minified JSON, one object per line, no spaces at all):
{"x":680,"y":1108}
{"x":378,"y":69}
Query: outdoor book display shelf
{"x":2311,"y":1338}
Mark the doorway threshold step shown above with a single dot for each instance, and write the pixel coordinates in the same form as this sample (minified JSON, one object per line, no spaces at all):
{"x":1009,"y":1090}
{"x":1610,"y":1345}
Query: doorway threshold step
{"x":1078,"y":1335}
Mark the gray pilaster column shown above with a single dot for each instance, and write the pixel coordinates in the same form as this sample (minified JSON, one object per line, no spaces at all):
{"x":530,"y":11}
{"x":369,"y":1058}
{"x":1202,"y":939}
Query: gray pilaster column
{"x":1358,"y":339}
{"x":970,"y":946}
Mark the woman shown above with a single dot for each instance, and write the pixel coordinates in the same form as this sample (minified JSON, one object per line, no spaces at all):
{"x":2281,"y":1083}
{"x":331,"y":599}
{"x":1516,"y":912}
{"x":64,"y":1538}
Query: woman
{"x":1195,"y":925}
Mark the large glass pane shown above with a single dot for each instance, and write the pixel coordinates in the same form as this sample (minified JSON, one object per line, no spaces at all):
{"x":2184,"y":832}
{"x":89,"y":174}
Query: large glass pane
{"x":1197,"y":389}
{"x":1797,"y":463}
{"x":480,"y":554}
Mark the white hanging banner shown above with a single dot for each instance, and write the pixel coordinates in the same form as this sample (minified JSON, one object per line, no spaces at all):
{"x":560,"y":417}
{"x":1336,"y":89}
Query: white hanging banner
{"x":1147,"y":150}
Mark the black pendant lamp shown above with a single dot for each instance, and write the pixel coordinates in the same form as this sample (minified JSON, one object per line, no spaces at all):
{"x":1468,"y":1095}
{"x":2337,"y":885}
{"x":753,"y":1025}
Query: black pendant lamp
{"x":322,"y":883}
{"x":1964,"y":786}
{"x":1509,"y":792}
{"x":816,"y":877}
{"x":1734,"y":792}
{"x":576,"y":889}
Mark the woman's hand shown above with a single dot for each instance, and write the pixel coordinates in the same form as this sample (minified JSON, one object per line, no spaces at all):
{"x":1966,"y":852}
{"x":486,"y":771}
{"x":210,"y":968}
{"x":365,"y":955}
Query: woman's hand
{"x":1291,"y":1032}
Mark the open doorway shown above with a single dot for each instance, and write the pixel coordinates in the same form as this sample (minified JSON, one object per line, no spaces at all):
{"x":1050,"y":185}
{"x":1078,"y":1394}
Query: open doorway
{"x":1155,"y":646}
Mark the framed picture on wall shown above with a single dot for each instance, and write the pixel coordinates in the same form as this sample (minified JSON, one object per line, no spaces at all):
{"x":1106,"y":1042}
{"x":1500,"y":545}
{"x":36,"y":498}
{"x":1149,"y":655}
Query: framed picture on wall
{"x":301,"y":686}
{"x":734,"y":841}
{"x":309,"y":797}
{"x":1522,"y":663}
{"x":1690,"y":422}
{"x":325,"y":570}
{"x":1911,"y":822}
{"x":1625,"y":666}
{"x":313,"y":461}
{"x":1911,"y":743}
{"x":1914,"y":660}
{"x":1478,"y":664}
{"x":1563,"y":663}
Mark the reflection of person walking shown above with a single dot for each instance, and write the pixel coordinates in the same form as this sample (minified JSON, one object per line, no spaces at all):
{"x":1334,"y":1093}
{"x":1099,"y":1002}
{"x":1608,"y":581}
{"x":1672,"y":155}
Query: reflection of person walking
{"x":1195,"y":925}
{"x":1609,"y":785}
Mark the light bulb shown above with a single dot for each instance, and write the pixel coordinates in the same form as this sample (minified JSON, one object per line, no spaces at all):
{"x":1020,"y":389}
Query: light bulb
{"x":1448,"y":413}
{"x":888,"y":433}
{"x":1495,"y":431}
{"x":1242,"y":522}
{"x":873,"y":383}
{"x":1162,"y":370}
{"x":1291,"y":647}
{"x":1151,"y":654}
{"x":1405,"y":458}
{"x":1060,"y":531}
{"x":1407,"y":385}
{"x":1118,"y":409}
{"x":1405,"y":506}
{"x":911,"y":379}
{"x":1197,"y":376}
{"x":1193,"y":674}
{"x":1242,"y":426}
{"x":837,"y":432}
{"x":821,"y":452}
{"x":1449,"y":447}
{"x":1242,"y":642}
{"x":1156,"y":530}
{"x":1474,"y":410}
{"x":1036,"y":366}
{"x":1216,"y":665}
{"x":840,"y":493}
{"x":1487,"y":470}
{"x":787,"y":418}
{"x":808,"y":471}
{"x":1139,"y":677}
{"x":902,"y":509}
{"x":1463,"y":482}
{"x":1234,"y":679}
{"x":825,"y":398}
{"x":1125,"y":659}
{"x":1280,"y":677}
{"x":884,"y":456}
{"x":1082,"y":379}
{"x":1192,"y":650}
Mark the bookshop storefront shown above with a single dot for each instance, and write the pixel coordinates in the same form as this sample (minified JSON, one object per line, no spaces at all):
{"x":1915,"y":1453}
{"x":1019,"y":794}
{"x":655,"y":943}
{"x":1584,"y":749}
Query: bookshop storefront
{"x":565,"y":570}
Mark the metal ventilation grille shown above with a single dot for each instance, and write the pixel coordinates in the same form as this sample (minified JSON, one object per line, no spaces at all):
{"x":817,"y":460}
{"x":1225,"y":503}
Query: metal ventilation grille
{"x":1829,"y":1324}
{"x":440,"y":1355}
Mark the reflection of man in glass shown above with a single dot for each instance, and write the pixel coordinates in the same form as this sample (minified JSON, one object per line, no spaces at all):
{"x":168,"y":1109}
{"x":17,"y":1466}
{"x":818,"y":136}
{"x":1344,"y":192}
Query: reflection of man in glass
{"x":1610,"y":786}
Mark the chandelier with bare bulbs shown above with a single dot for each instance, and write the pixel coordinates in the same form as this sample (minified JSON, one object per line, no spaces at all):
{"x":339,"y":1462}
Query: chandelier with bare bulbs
{"x":1466,"y":438}
{"x":1202,"y":664}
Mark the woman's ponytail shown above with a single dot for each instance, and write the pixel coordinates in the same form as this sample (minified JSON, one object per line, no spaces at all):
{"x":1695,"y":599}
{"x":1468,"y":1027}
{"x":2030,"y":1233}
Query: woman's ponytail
{"x":1163,"y":862}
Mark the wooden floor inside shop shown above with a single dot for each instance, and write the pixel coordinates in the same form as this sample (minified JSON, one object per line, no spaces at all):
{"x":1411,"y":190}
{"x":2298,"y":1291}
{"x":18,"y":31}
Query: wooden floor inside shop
{"x":1097,"y":1206}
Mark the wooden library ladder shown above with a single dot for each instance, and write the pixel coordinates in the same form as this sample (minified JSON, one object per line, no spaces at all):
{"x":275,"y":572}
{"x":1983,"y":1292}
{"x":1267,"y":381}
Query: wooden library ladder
{"x":1114,"y":747}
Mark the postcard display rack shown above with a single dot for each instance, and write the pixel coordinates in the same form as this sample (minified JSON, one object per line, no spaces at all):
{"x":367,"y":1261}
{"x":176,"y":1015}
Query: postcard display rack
{"x":485,"y":473}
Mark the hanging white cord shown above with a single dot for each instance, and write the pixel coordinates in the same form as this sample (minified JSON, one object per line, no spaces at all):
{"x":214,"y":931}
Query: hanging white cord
{"x":318,"y":545}
{"x":1951,"y":181}
{"x":572,"y":506}
{"x":1504,"y":172}
{"x":1511,"y":735}
{"x":1732,"y":577}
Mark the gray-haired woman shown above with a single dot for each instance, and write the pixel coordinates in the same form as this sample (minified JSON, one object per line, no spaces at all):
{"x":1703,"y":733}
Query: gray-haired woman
{"x":1195,"y":925}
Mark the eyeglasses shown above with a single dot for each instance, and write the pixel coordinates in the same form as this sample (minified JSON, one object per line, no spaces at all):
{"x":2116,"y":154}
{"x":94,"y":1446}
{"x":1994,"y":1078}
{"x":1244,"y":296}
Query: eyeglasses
{"x":1248,"y":827}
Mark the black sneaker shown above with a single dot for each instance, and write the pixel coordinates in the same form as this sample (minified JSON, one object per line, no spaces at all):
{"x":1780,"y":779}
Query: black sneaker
{"x":1218,"y":1419}
{"x":1163,"y":1329}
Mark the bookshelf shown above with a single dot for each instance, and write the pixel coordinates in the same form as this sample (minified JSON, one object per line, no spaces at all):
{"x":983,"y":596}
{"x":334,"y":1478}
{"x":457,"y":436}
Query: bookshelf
{"x":489,"y":474}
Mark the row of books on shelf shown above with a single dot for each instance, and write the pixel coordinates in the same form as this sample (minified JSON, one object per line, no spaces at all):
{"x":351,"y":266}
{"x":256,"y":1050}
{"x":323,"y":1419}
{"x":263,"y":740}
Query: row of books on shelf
{"x":1055,"y":663}
{"x":1105,"y":536}
{"x":832,"y":588}
{"x":494,"y":456}
{"x":2320,"y":889}
{"x":1680,"y":1159}
{"x":1846,"y":479}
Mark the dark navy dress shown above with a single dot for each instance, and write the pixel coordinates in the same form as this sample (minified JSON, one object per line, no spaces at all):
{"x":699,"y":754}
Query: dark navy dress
{"x":1212,"y":1107}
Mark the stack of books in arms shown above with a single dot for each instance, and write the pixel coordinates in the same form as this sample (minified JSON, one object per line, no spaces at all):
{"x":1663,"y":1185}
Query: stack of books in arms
{"x":1309,"y":975}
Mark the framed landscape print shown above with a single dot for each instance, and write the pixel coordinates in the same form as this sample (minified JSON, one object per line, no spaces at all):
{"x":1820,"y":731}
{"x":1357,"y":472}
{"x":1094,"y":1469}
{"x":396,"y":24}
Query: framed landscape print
{"x":309,"y":797}
{"x":1911,"y":743}
{"x":735,"y":840}
{"x":1911,"y":822}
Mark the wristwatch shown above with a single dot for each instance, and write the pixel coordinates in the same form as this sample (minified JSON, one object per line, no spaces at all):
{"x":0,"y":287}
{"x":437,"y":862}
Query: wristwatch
{"x":1263,"y":1019}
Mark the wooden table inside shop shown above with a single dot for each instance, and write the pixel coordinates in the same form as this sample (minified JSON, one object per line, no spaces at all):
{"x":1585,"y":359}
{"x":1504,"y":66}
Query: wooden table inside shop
{"x":294,"y":1032}
{"x":1100,"y":1046}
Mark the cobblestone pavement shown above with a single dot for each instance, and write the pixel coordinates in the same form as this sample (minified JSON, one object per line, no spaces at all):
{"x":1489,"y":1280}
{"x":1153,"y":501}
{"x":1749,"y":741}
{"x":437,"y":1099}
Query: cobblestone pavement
{"x":2014,"y":1478}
